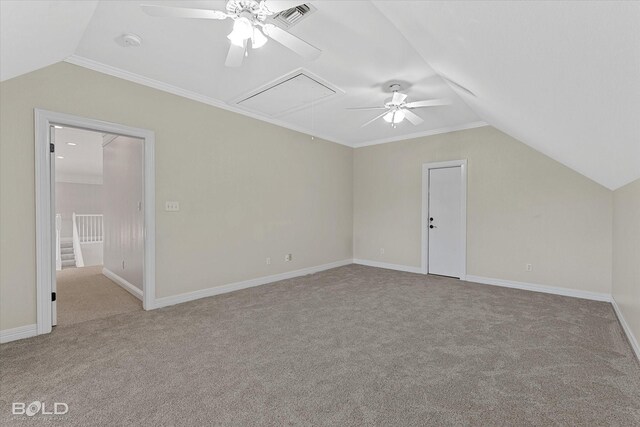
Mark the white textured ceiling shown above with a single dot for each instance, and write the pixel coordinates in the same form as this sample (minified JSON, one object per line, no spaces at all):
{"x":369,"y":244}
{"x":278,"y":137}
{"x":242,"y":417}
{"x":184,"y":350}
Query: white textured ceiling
{"x":81,"y":162}
{"x":560,"y":76}
{"x":34,"y":34}
{"x":358,"y":56}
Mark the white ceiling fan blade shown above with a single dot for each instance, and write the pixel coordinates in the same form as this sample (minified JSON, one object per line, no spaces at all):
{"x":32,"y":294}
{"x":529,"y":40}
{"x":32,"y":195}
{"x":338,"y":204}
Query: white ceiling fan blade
{"x":367,"y":108}
{"x":398,"y":98}
{"x":412,"y":117}
{"x":428,"y":103}
{"x":276,"y":6}
{"x":292,"y":42}
{"x":182,"y":12}
{"x":374,"y":119}
{"x":235,"y":55}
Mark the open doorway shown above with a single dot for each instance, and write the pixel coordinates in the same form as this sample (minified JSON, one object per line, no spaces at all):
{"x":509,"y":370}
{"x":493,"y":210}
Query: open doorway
{"x":95,"y":237}
{"x":99,"y":224}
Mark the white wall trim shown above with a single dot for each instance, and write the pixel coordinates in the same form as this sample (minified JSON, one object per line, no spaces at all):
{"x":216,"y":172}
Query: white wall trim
{"x":44,"y":180}
{"x":127,"y":286}
{"x":446,"y":129}
{"x":223,"y":289}
{"x":388,"y":266}
{"x":45,"y":251}
{"x":156,"y":84}
{"x":595,"y":296}
{"x":627,"y":329}
{"x":424,"y":254}
{"x":18,"y":333}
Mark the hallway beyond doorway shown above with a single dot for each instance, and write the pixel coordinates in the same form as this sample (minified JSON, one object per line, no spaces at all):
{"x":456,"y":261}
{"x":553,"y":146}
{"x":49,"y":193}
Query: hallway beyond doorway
{"x":86,"y":294}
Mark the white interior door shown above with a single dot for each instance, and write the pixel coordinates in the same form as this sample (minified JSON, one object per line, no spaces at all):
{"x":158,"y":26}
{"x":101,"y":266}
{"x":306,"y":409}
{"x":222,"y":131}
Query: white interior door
{"x":54,"y":290}
{"x":445,"y":249}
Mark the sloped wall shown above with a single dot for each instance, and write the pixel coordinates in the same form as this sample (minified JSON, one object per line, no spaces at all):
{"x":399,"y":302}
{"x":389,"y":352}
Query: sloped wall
{"x":522,"y":207}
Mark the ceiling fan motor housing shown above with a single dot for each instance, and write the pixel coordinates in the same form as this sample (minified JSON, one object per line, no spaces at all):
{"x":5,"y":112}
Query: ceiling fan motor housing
{"x":247,"y":7}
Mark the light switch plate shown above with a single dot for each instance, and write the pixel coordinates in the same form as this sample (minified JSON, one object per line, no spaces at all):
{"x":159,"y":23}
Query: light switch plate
{"x":172,"y":206}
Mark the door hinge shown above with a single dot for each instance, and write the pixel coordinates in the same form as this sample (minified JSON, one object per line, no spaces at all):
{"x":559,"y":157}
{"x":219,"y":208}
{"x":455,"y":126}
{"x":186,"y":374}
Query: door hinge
{"x":53,"y":296}
{"x":52,"y":148}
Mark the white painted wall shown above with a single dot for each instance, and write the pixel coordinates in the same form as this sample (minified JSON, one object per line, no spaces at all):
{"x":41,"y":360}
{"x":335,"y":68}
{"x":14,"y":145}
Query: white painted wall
{"x":626,"y":254}
{"x":92,"y":253}
{"x":78,"y":198}
{"x":123,"y":186}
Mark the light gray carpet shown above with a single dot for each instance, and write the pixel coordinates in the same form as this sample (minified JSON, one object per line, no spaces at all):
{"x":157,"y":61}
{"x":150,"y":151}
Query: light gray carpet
{"x":351,"y":346}
{"x":86,"y":294}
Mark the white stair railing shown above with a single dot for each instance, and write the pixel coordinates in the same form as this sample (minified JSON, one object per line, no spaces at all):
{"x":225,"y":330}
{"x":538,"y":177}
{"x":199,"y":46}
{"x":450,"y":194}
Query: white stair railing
{"x":77,"y":249}
{"x":90,"y":228}
{"x":58,"y":251}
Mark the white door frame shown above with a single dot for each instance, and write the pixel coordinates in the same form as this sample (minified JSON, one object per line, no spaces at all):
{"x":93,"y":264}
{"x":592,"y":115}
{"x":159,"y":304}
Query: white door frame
{"x":424,"y":263}
{"x":45,"y":212}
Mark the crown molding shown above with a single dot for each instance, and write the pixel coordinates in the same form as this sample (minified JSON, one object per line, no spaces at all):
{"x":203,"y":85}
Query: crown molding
{"x":175,"y":90}
{"x":156,"y":84}
{"x":431,"y":132}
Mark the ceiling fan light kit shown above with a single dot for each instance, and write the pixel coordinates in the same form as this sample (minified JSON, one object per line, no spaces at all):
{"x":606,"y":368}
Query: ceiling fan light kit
{"x":394,"y":117}
{"x":397,"y":109}
{"x":258,"y":39}
{"x":242,"y":28}
{"x":251,"y":22}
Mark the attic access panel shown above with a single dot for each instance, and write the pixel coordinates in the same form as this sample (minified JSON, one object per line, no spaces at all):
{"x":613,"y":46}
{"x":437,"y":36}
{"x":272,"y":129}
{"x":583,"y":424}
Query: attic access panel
{"x":290,"y":93}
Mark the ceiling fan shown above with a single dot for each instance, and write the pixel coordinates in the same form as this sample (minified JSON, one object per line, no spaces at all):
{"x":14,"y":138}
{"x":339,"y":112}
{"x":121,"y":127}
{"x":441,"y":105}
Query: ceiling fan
{"x":397,"y":109}
{"x":251,"y":22}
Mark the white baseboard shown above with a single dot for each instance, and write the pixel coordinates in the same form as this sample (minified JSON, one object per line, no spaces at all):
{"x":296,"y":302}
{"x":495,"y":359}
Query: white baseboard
{"x":388,"y":266}
{"x":595,"y":296}
{"x":627,"y":330}
{"x":133,"y":290}
{"x":223,"y":289}
{"x":18,"y":333}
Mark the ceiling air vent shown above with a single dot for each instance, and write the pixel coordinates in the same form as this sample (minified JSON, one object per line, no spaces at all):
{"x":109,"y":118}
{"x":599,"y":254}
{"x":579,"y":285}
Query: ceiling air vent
{"x":290,"y":17}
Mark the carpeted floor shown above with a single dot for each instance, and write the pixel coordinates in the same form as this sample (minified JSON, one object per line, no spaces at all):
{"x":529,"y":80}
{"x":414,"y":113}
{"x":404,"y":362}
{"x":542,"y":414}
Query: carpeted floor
{"x":351,"y":346}
{"x":86,"y":294}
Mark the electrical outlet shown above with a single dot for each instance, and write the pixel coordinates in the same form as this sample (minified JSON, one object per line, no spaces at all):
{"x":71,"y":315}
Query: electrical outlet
{"x":172,"y":206}
{"x":288,"y":257}
{"x":268,"y":260}
{"x":381,"y":251}
{"x":528,"y":267}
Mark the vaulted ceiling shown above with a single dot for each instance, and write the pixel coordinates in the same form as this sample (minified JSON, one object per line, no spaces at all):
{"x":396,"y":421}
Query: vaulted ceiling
{"x":562,"y":77}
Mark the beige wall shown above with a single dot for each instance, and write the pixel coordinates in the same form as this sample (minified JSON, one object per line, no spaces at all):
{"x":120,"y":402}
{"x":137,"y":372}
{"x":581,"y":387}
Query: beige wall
{"x":522,"y":208}
{"x":243,"y":186}
{"x":626,"y":253}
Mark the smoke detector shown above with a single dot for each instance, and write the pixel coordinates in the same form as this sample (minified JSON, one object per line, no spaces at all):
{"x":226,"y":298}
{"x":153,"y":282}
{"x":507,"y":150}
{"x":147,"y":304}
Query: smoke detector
{"x":129,"y":40}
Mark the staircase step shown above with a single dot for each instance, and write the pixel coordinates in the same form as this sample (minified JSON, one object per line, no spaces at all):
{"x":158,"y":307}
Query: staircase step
{"x":66,"y":257}
{"x":66,"y":245}
{"x":68,"y":262}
